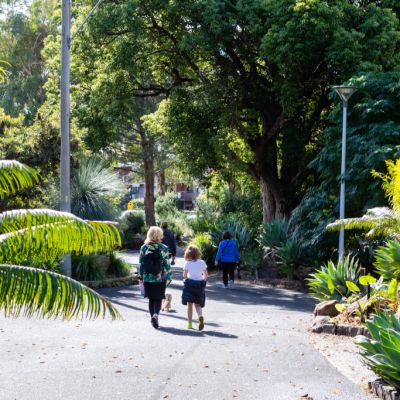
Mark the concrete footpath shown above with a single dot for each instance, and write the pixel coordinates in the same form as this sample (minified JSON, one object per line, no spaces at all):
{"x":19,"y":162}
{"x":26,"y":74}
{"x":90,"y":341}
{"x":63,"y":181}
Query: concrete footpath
{"x":254,"y":346}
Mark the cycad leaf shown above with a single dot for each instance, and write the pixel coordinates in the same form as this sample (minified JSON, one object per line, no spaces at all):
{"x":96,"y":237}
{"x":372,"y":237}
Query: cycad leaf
{"x":52,"y":233}
{"x":29,"y":291}
{"x":15,"y":176}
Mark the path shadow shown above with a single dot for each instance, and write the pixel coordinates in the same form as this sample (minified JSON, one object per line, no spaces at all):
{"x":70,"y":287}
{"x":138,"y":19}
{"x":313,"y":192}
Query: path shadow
{"x":163,"y":313}
{"x":188,"y":332}
{"x":242,"y":294}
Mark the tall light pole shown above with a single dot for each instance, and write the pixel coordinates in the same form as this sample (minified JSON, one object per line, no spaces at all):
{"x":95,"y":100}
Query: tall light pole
{"x":65,"y":165}
{"x":65,"y":158}
{"x":344,"y":92}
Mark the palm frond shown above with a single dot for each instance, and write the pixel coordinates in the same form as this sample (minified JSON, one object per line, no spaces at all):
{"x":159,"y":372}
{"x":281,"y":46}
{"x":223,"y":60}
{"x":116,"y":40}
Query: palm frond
{"x":378,"y":221}
{"x":52,"y":233}
{"x":15,"y":176}
{"x":29,"y":292}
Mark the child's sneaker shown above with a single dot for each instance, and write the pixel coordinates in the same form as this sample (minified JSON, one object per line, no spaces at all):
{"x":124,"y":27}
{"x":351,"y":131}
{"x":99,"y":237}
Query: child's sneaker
{"x":226,"y":286}
{"x":201,"y":323}
{"x":154,"y":321}
{"x":231,"y":285}
{"x":190,"y":325}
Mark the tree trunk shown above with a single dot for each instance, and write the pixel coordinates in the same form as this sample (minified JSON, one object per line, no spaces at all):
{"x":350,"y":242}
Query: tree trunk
{"x":147,"y":145}
{"x":271,"y":187}
{"x":161,"y":182}
{"x":149,"y":192}
{"x":273,"y":205}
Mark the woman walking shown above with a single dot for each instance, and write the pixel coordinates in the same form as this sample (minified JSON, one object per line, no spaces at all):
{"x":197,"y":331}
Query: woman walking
{"x":195,"y":276}
{"x":227,"y":257}
{"x":154,"y":271}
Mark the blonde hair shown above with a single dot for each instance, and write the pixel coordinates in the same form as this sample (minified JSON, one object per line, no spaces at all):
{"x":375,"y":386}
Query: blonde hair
{"x":192,"y":253}
{"x":154,"y":235}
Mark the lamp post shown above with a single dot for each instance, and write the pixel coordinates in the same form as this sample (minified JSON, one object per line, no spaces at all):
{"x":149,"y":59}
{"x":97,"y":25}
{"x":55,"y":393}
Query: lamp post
{"x":344,"y":92}
{"x":65,"y":158}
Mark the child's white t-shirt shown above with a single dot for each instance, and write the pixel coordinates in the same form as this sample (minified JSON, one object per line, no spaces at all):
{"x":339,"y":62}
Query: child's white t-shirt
{"x":195,"y":269}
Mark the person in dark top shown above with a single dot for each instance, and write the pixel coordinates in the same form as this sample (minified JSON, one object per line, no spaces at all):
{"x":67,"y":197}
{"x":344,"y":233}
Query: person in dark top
{"x":169,"y":241}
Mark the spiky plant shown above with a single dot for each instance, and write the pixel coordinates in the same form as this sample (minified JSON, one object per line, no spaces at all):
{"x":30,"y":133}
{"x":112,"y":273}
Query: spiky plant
{"x":46,"y":233}
{"x":379,"y":221}
{"x":382,"y":352}
{"x":91,"y":187}
{"x":387,"y":260}
{"x":329,"y":282}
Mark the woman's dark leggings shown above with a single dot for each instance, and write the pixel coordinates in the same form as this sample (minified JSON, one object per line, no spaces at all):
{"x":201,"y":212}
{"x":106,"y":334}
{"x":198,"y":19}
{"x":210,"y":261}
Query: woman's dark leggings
{"x":228,"y":268}
{"x":154,"y":306}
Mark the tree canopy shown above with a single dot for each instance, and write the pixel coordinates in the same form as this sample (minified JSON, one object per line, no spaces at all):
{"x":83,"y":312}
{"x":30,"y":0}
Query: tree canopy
{"x":249,"y":81}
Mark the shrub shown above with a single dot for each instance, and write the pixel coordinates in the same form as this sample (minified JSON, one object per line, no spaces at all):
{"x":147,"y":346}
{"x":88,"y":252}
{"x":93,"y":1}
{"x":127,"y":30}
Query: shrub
{"x":382,"y":352}
{"x":251,"y":260}
{"x":387,"y":260}
{"x":166,"y":205}
{"x":239,"y":232}
{"x":281,"y":246}
{"x":205,"y":243}
{"x":273,"y":234}
{"x":330,"y":281}
{"x":289,"y":255}
{"x":131,"y":223}
{"x":118,"y":267}
{"x":87,"y":268}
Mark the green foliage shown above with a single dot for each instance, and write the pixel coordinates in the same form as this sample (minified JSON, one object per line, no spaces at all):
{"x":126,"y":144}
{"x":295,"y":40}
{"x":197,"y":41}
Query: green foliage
{"x":274,"y":234}
{"x":251,"y":260}
{"x":207,"y":248}
{"x":280,"y":245}
{"x":32,"y":292}
{"x":382,"y":352}
{"x":86,"y":268}
{"x":118,"y":267}
{"x":131,"y":224}
{"x":47,"y":234}
{"x":373,"y":130}
{"x":289,"y":255}
{"x":178,"y":224}
{"x":239,"y":232}
{"x":92,"y":188}
{"x":247,"y":84}
{"x":329,"y":282}
{"x":23,"y":32}
{"x":166,"y":205}
{"x":15,"y":176}
{"x":387,"y":260}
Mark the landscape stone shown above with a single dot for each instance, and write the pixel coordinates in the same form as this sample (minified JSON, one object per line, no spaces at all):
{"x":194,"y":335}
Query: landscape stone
{"x":326,"y":308}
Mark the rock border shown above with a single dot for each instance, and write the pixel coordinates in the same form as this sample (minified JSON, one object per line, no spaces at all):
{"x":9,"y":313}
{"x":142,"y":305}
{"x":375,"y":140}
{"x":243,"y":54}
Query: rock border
{"x":112,"y":282}
{"x":345,"y":330}
{"x":382,"y":390}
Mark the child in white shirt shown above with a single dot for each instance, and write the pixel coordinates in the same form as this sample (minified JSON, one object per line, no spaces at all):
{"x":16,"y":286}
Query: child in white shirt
{"x":195,"y":275}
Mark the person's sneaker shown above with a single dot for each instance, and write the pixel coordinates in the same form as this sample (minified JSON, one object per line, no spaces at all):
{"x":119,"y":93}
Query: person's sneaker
{"x":226,"y":286}
{"x":231,"y":285}
{"x":154,"y":321}
{"x":190,"y":325}
{"x":201,"y":323}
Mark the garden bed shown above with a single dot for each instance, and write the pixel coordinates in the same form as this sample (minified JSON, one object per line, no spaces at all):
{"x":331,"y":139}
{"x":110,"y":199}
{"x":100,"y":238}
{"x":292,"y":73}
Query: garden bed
{"x":274,"y":282}
{"x":382,"y":390}
{"x":112,"y":282}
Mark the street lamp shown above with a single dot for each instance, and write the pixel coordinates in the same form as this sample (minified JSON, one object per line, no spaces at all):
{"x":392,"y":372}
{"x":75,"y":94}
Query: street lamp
{"x":344,"y":92}
{"x":65,"y":112}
